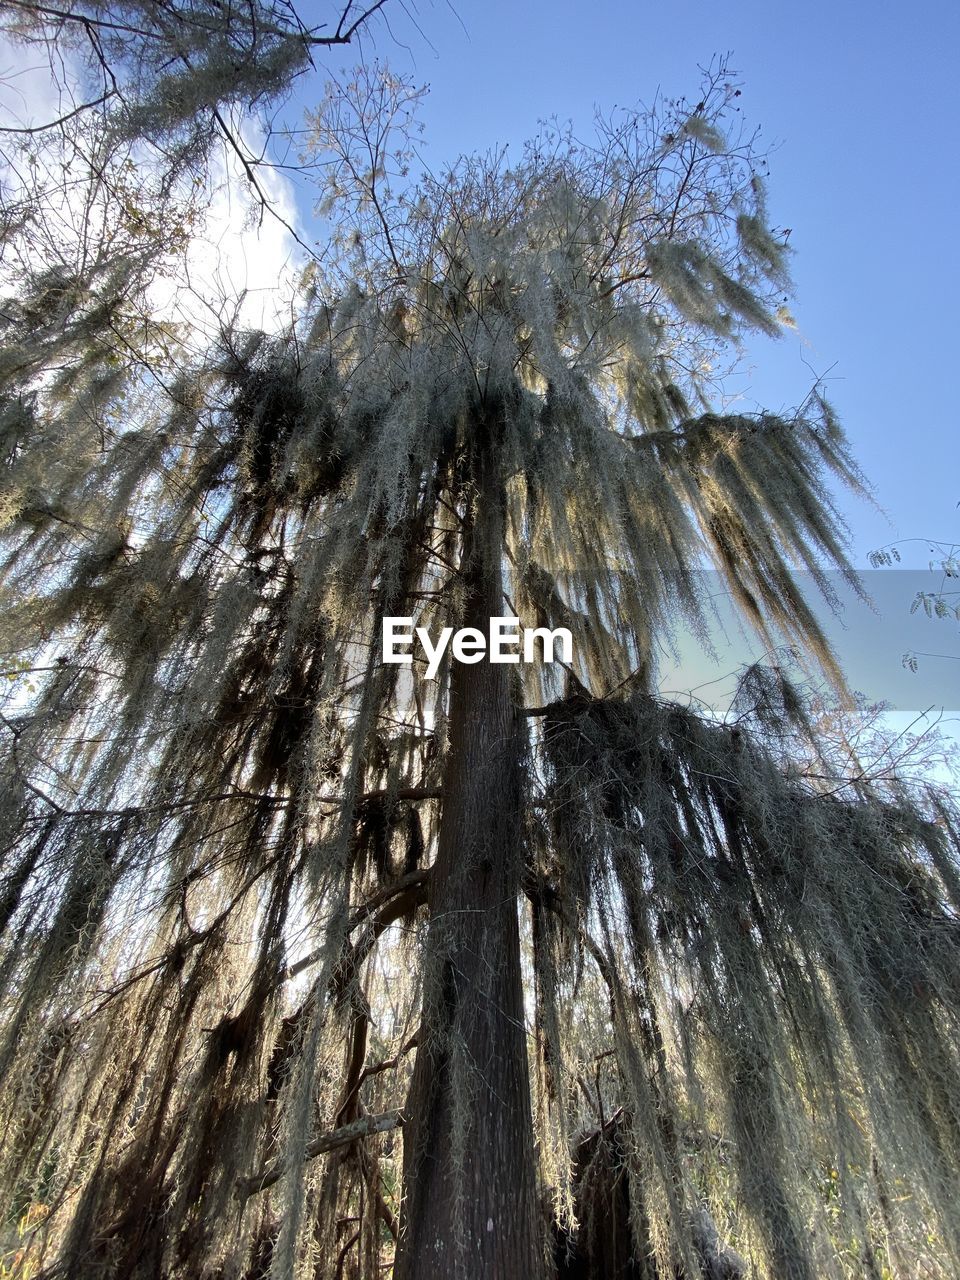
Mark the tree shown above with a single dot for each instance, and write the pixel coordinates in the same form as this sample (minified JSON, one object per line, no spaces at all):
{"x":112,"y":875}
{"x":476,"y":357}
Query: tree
{"x":601,"y":984}
{"x":173,"y":76}
{"x":103,"y":192}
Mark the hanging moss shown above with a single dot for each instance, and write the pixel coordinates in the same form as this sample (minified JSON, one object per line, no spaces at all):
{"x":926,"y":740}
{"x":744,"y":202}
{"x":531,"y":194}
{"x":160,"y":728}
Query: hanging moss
{"x":220,"y":812}
{"x":792,"y":945}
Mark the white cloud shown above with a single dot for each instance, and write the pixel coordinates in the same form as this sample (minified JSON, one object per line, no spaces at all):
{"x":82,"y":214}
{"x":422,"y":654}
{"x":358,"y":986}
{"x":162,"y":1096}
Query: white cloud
{"x":28,"y":92}
{"x":243,"y":251}
{"x":242,"y":262}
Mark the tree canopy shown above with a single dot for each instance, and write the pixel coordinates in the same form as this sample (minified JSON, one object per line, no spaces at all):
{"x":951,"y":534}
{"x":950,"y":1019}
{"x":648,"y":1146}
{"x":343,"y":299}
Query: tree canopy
{"x":243,"y":886}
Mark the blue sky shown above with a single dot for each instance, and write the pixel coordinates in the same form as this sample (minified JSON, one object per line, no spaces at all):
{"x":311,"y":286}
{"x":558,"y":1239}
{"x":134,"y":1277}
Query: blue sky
{"x":859,"y":103}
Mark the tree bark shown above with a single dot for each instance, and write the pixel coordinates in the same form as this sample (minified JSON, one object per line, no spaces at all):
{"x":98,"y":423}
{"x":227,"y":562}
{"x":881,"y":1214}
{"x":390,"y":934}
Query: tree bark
{"x":470,"y":1204}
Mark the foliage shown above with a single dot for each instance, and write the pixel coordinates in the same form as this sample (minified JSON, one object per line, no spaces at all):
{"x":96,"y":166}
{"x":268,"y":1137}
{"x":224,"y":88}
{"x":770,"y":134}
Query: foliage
{"x":944,"y":601}
{"x":221,"y":811}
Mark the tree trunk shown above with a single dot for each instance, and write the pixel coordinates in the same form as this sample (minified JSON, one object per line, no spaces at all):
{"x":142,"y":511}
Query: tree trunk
{"x":470,"y":1205}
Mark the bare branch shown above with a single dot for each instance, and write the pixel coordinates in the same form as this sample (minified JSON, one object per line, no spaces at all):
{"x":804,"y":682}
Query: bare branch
{"x":364,"y":1127}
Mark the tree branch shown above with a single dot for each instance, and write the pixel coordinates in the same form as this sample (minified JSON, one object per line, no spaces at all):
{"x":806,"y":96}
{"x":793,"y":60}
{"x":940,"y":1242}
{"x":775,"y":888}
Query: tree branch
{"x":365,"y":1127}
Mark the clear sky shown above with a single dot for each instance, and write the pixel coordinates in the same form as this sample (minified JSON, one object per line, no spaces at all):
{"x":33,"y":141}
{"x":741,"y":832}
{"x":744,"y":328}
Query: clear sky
{"x":859,"y":103}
